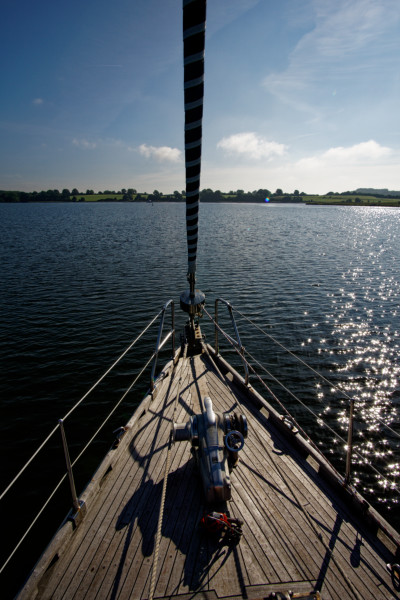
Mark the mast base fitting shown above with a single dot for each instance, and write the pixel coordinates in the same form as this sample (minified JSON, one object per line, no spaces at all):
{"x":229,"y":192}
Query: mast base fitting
{"x":193,"y":303}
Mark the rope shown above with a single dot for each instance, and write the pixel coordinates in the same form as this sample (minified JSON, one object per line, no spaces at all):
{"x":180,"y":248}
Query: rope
{"x":290,"y":393}
{"x":274,"y":396}
{"x":395,"y":433}
{"x":194,"y":27}
{"x":332,"y":431}
{"x":112,"y":366}
{"x":393,"y":486}
{"x":73,"y":464}
{"x":164,"y":488}
{"x":160,"y":520}
{"x":29,"y":461}
{"x":307,"y":516}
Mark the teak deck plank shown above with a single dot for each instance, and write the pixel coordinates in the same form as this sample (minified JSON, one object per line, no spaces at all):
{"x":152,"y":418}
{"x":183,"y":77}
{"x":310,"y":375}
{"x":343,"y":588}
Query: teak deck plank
{"x":325,"y":515}
{"x":88,"y":549}
{"x":296,"y":535}
{"x":295,"y":519}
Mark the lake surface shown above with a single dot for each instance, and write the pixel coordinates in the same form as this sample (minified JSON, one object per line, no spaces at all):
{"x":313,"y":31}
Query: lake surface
{"x":80,"y":281}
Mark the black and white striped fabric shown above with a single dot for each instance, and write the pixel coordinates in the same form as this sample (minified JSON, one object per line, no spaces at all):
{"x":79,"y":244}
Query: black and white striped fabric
{"x":194,"y":27}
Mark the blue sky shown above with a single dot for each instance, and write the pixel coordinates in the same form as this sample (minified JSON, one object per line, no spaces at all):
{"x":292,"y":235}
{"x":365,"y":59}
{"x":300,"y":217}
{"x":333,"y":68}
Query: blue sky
{"x":298,"y":95}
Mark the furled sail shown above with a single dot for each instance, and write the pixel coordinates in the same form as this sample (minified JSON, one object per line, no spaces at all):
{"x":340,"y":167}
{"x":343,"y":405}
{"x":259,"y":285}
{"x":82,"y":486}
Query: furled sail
{"x":194,"y":27}
{"x":194,"y":31}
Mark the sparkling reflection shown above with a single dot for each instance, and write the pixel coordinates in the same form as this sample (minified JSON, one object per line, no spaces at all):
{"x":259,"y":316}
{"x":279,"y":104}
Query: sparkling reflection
{"x":362,"y":348}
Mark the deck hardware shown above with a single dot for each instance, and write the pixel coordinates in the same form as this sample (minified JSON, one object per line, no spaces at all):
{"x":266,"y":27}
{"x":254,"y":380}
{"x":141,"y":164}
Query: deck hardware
{"x":216,"y":439}
{"x":221,"y":524}
{"x":75,"y":501}
{"x":294,"y":595}
{"x":76,"y":518}
{"x":394,"y":570}
{"x":234,"y":441}
{"x":192,"y":302}
{"x":119,"y":434}
{"x":290,"y":423}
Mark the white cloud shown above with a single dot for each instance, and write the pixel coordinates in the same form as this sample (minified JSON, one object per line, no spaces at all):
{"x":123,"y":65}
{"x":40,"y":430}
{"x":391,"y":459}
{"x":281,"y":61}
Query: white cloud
{"x":370,"y":150}
{"x":160,"y":153}
{"x":367,"y":164}
{"x":251,"y":145}
{"x":83,"y":144}
{"x":37,"y":101}
{"x":365,"y":152}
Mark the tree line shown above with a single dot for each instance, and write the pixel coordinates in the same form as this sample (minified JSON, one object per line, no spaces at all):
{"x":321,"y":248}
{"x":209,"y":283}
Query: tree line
{"x":131,"y":195}
{"x":206,"y":195}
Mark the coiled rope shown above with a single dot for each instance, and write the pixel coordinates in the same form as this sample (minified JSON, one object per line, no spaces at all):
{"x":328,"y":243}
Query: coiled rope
{"x":194,"y":27}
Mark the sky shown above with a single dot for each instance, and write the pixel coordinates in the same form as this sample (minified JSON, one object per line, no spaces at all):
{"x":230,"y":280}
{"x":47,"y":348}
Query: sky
{"x":298,"y":95}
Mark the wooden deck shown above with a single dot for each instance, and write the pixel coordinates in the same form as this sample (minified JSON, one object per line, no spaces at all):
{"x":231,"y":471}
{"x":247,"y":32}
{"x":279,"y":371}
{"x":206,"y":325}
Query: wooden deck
{"x":297,"y":534}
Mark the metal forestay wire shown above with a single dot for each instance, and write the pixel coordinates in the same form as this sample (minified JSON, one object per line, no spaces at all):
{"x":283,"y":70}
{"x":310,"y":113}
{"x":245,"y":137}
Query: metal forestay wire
{"x":308,"y":367}
{"x":393,"y":486}
{"x":194,"y":27}
{"x":77,"y":404}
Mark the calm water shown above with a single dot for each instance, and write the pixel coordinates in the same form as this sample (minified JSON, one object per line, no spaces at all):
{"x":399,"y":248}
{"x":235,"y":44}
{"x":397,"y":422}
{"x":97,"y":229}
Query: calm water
{"x":79,"y":281}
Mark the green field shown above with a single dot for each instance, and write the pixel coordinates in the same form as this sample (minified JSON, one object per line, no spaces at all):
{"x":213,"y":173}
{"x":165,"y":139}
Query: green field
{"x":334,"y":199}
{"x":352,"y":199}
{"x":105,"y":197}
{"x":98,"y":197}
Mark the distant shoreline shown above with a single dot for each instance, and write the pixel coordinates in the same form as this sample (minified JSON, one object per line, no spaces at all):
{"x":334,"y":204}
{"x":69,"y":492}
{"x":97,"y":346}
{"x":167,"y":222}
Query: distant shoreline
{"x":374,"y":204}
{"x":262,"y":196}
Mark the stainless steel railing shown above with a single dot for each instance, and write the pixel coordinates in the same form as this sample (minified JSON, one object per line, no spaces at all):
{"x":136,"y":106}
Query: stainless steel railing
{"x":160,"y":343}
{"x":248,"y":360}
{"x":237,"y":344}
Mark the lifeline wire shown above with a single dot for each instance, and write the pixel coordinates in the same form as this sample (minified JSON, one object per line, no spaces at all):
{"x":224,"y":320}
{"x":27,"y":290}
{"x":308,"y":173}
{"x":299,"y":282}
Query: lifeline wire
{"x":393,"y":485}
{"x":308,"y":366}
{"x":77,"y":404}
{"x":73,"y":464}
